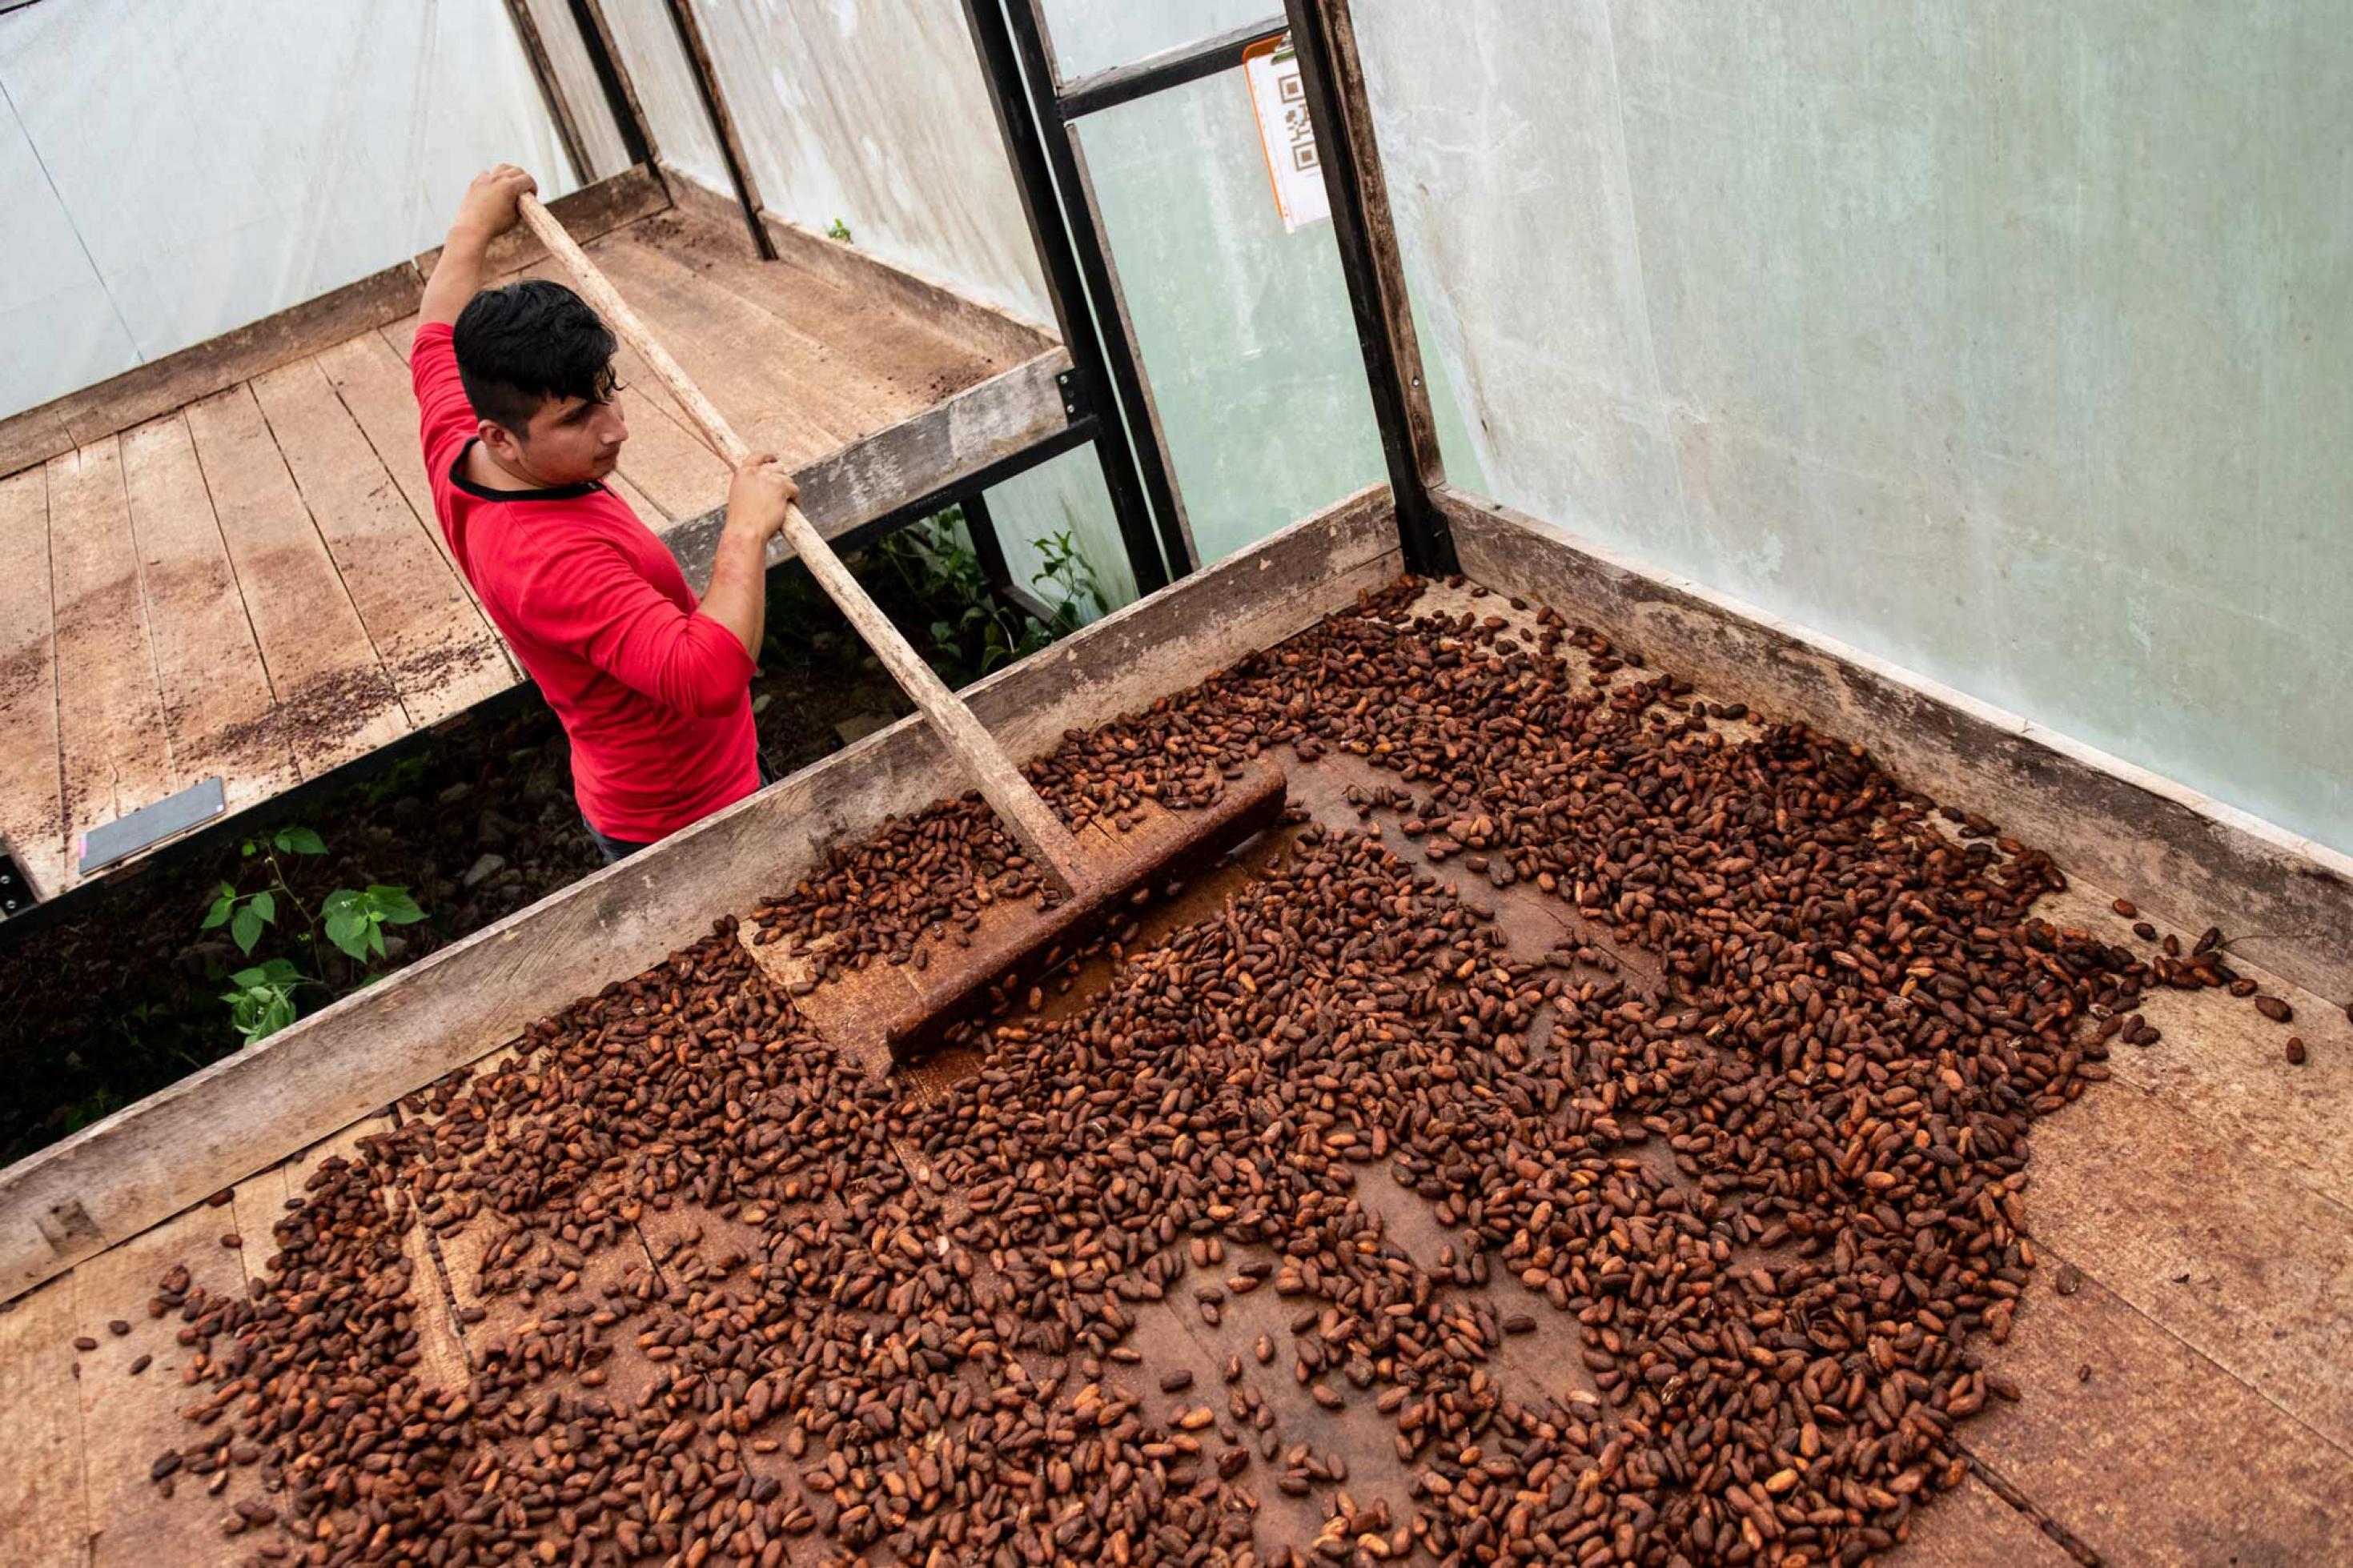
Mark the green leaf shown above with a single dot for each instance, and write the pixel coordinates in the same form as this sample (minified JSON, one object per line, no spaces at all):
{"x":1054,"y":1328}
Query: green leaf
{"x":217,"y":916}
{"x":348,"y":929}
{"x":300,"y":841}
{"x":392,"y":905}
{"x":244,"y":927}
{"x":264,"y":903}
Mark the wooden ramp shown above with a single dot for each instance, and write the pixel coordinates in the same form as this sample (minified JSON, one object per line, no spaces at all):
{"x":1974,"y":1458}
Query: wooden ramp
{"x":225,"y":564}
{"x":2182,"y":1351}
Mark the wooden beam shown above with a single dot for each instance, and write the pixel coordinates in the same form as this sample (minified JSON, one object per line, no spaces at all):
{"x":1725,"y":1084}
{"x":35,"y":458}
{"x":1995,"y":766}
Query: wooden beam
{"x":605,"y":49}
{"x":2185,"y":856}
{"x":989,"y":327}
{"x":550,"y":91}
{"x":140,"y":1167}
{"x":714,"y":101}
{"x":947,"y":442}
{"x":113,"y":405}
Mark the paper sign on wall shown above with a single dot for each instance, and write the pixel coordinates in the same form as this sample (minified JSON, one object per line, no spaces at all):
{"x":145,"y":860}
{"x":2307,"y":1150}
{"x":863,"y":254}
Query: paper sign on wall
{"x":1286,"y":134}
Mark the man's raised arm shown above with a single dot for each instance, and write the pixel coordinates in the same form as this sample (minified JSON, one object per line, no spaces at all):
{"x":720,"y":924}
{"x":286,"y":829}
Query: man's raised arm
{"x":487,"y":212}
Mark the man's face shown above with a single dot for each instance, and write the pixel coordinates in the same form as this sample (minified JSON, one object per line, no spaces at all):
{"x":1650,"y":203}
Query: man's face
{"x":569,"y":441}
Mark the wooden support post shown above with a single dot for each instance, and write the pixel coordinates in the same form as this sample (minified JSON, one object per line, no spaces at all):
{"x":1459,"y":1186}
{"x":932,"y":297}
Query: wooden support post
{"x":731,"y":146}
{"x":550,"y":91}
{"x":620,"y":91}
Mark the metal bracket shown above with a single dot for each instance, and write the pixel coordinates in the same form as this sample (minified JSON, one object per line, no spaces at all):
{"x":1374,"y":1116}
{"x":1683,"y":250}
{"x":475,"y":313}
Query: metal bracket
{"x":1076,"y":393}
{"x":151,"y":825}
{"x":16,"y":893}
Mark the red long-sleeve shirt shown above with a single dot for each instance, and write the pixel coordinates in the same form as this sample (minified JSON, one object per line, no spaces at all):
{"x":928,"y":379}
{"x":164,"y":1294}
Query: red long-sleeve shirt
{"x":654,"y":695}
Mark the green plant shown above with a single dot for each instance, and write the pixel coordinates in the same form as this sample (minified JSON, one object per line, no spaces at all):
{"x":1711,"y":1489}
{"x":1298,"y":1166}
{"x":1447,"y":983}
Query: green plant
{"x":262,"y":1002}
{"x":972,"y":630}
{"x":245,"y":914}
{"x":839,"y":230}
{"x":355,"y":920}
{"x":1074,"y":592}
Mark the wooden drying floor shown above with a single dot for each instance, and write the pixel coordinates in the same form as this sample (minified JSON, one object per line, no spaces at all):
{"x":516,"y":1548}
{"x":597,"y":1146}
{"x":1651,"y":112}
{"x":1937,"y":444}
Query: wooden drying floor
{"x":2186,"y":1403}
{"x":252,"y":584}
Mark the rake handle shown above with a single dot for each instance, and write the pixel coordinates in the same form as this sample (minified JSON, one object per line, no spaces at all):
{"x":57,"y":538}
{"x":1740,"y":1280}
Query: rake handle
{"x":1025,"y":813}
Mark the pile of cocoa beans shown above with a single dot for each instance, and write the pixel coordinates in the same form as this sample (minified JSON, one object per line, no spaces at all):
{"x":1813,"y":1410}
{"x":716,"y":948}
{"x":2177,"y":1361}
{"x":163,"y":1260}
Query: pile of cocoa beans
{"x":1748,"y":1135}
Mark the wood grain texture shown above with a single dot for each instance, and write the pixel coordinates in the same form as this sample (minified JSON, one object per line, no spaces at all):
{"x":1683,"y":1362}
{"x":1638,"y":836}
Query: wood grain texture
{"x":2148,"y":1452}
{"x":161,"y":385}
{"x":32,"y":805}
{"x":116,"y":754}
{"x":43,"y":1513}
{"x":440,"y":653}
{"x":130,"y":1418}
{"x":914,"y":458}
{"x":335,"y":700}
{"x":2158,"y":844}
{"x":122,"y":1174}
{"x":217,"y":695}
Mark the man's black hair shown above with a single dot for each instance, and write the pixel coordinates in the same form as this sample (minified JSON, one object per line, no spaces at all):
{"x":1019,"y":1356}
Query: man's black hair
{"x":524,"y":343}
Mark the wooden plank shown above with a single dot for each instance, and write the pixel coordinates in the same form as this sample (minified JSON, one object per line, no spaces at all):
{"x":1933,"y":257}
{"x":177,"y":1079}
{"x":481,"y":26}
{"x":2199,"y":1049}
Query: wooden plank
{"x":588,"y":212}
{"x":161,"y":385}
{"x":776,"y":385}
{"x":2148,"y":1452}
{"x":1395,"y":306}
{"x":334,"y":701}
{"x":986,"y":328}
{"x":116,"y":1177}
{"x":372,"y":378}
{"x":43,"y":1514}
{"x":32,"y":801}
{"x":440,"y":653}
{"x":2223,"y":1065}
{"x":116,"y":755}
{"x":2210,"y":1243}
{"x":915,"y":458}
{"x":131,"y":1418}
{"x":714,"y":103}
{"x":551,"y":90}
{"x":2161,"y":845}
{"x":217,"y":696}
{"x":1970,"y":1526}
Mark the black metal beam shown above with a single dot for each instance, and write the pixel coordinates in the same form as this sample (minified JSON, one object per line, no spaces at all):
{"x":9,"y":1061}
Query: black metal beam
{"x":1170,"y":68}
{"x":989,"y":546}
{"x":1067,"y":286}
{"x":1119,"y":354}
{"x":1422,"y":532}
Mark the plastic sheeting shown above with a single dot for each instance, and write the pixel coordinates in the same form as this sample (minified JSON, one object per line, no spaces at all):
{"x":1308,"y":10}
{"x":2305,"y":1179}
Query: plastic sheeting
{"x":2005,"y":342}
{"x":169,"y":171}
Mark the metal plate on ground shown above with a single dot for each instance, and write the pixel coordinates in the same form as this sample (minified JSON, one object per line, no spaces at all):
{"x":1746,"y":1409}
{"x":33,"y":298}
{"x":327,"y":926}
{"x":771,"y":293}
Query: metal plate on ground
{"x":151,"y":825}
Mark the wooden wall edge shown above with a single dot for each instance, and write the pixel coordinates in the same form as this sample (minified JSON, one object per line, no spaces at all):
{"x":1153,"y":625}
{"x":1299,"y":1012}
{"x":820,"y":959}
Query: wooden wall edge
{"x":2284,"y":900}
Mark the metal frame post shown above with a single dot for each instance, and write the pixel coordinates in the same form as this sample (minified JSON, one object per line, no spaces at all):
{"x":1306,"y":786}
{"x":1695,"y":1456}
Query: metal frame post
{"x":1324,"y":33}
{"x":1087,"y":393}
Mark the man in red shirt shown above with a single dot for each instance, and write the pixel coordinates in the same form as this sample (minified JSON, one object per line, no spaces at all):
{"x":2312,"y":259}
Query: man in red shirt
{"x":516,"y":387}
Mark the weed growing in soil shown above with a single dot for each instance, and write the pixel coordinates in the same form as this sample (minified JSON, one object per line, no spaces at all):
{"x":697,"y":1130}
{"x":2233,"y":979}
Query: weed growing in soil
{"x":261,"y":998}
